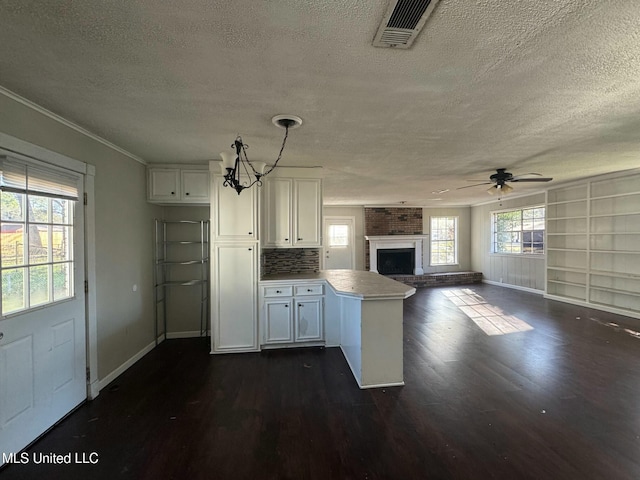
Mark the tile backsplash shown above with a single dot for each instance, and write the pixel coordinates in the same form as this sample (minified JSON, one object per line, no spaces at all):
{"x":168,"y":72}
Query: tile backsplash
{"x":290,"y":260}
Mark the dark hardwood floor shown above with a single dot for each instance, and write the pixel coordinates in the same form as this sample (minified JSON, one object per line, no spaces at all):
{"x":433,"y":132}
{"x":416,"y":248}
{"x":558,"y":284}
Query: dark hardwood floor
{"x":561,"y":401}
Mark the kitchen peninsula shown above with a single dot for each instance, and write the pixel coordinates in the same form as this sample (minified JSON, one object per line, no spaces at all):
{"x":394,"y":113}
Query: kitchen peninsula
{"x":362,"y":315}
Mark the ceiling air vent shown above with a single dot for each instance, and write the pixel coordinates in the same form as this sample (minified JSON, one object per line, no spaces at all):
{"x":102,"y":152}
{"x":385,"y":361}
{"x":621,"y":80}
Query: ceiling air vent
{"x":402,"y":22}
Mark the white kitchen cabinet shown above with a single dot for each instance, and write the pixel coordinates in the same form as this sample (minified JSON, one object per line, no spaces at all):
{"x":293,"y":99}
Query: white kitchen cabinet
{"x":291,"y":321}
{"x":234,"y":216}
{"x":164,"y":185}
{"x":293,"y":212}
{"x":308,"y":320}
{"x":278,"y":206}
{"x":234,"y":312}
{"x":278,"y":321}
{"x":307,"y":212}
{"x":194,"y":186}
{"x":177,"y":185}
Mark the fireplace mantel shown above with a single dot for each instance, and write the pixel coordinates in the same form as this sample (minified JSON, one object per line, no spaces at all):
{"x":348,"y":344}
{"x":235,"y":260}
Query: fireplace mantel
{"x":381,"y":242}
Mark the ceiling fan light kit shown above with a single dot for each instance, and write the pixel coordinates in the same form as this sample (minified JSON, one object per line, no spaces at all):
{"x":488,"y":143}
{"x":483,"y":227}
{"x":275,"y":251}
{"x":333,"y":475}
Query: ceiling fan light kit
{"x":239,"y":173}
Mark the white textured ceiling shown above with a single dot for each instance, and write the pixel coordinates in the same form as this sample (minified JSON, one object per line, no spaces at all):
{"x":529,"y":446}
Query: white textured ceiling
{"x":548,"y":86}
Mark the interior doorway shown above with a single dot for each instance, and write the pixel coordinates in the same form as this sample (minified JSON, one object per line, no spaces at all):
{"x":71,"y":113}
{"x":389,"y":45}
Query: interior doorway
{"x":339,"y":243}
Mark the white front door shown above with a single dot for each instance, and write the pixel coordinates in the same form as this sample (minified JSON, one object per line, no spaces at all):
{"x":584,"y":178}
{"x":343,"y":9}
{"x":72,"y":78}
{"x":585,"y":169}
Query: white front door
{"x":339,"y":248}
{"x":42,"y":326}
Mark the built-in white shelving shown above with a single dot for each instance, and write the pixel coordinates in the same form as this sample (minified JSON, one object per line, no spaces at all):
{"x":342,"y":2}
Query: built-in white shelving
{"x":593,"y":247}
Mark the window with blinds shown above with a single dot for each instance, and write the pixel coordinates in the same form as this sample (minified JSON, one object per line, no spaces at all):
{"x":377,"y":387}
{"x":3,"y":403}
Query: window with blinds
{"x":36,"y":241}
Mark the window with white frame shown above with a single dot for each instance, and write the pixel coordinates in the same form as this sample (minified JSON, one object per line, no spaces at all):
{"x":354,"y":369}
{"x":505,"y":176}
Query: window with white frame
{"x":36,"y":239}
{"x":444,"y":240}
{"x":519,"y":231}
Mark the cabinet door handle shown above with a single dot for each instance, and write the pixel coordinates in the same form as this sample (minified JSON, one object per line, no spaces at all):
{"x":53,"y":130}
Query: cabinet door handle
{"x":309,"y":290}
{"x":173,"y":193}
{"x":250,"y":233}
{"x":186,"y":193}
{"x":299,"y":239}
{"x":300,"y":305}
{"x":1,"y":335}
{"x":286,"y":305}
{"x":278,"y":291}
{"x":250,"y":249}
{"x":286,"y":239}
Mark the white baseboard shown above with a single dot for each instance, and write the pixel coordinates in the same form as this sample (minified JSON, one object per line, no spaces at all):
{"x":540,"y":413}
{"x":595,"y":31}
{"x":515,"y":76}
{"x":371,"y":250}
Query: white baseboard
{"x":173,"y":335}
{"x":122,"y":368}
{"x":603,"y":308}
{"x":383,"y":385}
{"x":93,"y":390}
{"x":515,"y":287}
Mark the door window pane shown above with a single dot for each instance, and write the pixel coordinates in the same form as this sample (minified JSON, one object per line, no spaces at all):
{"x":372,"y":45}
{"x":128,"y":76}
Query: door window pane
{"x":38,"y":285}
{"x":338,"y":235}
{"x":13,"y":298}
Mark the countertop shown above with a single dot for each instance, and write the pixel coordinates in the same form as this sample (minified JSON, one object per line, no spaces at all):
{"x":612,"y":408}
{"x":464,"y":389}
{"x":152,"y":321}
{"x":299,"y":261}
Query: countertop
{"x":351,"y":283}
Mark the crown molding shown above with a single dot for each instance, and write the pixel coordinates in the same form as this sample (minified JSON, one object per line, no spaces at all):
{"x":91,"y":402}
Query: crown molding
{"x":54,"y":116}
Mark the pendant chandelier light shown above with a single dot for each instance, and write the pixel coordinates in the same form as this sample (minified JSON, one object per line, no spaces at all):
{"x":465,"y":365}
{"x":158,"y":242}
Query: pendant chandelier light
{"x":239,"y":173}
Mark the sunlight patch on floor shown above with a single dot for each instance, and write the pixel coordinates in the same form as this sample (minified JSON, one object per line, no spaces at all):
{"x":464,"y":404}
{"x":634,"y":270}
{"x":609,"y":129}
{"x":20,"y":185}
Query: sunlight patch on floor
{"x":491,"y":319}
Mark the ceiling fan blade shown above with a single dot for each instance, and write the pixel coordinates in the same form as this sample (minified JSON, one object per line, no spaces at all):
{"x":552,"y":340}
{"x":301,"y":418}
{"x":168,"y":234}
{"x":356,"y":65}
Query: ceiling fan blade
{"x":540,"y":179}
{"x":526,"y":174}
{"x":475,"y":185}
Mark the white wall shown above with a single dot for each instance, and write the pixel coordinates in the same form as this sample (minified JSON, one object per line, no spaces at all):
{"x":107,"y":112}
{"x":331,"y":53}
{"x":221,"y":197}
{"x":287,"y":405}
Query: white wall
{"x":124,"y":231}
{"x":521,"y":271}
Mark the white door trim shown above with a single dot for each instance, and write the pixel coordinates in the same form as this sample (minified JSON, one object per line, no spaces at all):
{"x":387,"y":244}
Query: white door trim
{"x":21,"y":149}
{"x":352,"y":236}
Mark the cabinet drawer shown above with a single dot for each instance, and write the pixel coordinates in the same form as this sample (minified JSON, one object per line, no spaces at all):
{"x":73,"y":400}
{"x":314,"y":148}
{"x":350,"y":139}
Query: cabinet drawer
{"x":310,"y":289}
{"x":286,"y":291}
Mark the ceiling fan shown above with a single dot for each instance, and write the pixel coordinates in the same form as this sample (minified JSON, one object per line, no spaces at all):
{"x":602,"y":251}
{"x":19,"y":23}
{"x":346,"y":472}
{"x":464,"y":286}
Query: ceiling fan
{"x":498,"y":181}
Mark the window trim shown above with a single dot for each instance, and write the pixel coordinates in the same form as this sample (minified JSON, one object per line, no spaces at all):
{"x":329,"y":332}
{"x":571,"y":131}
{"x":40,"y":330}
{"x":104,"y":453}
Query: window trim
{"x":492,"y":232}
{"x":456,"y":241}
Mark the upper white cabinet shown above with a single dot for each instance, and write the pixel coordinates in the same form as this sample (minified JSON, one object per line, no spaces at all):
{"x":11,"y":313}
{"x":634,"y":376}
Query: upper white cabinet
{"x":307,"y":212}
{"x":177,"y":185}
{"x":235,"y":216}
{"x":195,"y":186}
{"x":164,"y":185}
{"x":293,"y":212}
{"x":278,"y":195}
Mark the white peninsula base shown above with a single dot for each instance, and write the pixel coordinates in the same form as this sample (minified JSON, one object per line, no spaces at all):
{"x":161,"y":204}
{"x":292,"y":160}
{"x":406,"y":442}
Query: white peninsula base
{"x":371,"y":341}
{"x":363,"y":316}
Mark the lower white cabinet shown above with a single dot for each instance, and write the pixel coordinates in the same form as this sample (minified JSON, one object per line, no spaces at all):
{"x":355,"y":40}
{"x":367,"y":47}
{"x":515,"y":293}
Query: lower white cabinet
{"x":308,"y":320}
{"x":278,"y":321}
{"x":234,"y":302}
{"x":288,"y":320}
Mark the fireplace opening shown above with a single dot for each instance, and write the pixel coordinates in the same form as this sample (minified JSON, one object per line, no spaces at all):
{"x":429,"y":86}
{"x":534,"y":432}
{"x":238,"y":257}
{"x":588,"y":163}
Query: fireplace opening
{"x":396,"y":261}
